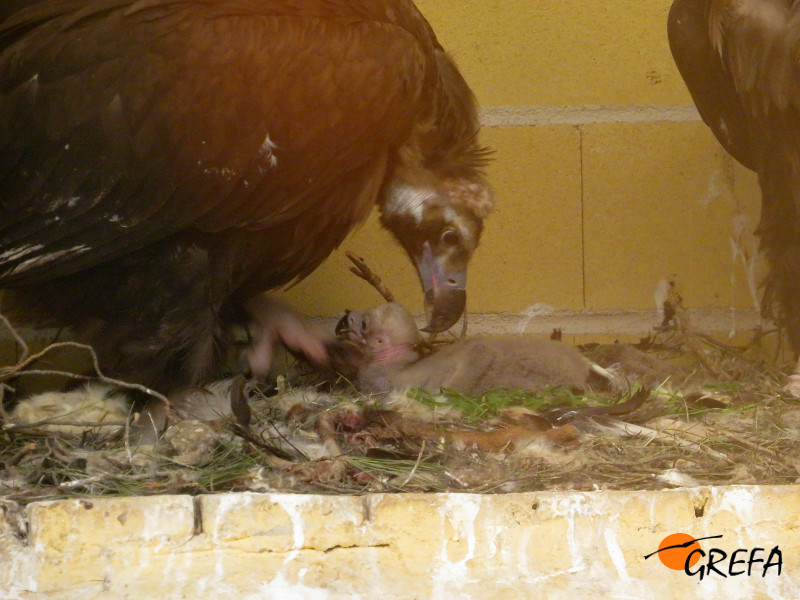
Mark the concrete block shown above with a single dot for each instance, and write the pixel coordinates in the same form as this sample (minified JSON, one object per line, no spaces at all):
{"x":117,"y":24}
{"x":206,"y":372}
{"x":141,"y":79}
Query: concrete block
{"x":661,"y":199}
{"x":549,"y":545}
{"x":87,"y":546}
{"x":332,"y":288}
{"x":272,"y":523}
{"x":531,"y":248}
{"x":569,"y":52}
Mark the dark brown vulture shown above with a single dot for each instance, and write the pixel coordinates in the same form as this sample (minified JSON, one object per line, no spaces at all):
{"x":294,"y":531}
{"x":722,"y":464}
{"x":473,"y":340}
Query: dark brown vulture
{"x":164,"y":162}
{"x":741,"y":62}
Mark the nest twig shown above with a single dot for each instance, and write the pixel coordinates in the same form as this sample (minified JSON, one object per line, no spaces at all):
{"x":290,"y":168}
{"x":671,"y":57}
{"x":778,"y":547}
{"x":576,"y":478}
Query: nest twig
{"x":27,"y":359}
{"x":364,"y":272}
{"x":17,"y":337}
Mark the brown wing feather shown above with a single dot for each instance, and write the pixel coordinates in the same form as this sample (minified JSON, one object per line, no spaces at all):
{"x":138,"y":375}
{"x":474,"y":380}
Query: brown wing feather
{"x":161,"y":161}
{"x":710,"y":84}
{"x":741,"y":61}
{"x":211,"y":115}
{"x":758,"y":41}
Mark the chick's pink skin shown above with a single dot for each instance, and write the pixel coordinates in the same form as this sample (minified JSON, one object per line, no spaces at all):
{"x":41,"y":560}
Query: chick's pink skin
{"x":387,"y":334}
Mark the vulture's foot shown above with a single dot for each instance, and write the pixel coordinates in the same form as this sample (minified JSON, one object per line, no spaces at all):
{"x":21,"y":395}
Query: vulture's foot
{"x":274,"y":322}
{"x":793,"y":385}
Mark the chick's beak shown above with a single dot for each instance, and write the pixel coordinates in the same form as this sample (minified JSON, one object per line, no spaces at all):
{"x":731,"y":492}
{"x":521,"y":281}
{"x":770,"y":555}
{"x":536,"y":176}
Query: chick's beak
{"x":445,"y":290}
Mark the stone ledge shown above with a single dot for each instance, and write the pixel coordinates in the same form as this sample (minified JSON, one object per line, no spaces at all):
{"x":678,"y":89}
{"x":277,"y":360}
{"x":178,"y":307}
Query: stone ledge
{"x":533,"y":545}
{"x":541,"y":320}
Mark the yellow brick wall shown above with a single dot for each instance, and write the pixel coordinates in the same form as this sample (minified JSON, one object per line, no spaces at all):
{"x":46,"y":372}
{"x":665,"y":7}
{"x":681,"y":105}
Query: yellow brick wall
{"x":606,"y":180}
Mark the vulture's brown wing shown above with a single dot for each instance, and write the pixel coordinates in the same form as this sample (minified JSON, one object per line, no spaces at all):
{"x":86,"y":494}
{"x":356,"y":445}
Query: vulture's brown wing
{"x":124,"y":122}
{"x":755,"y":48}
{"x":758,"y":42}
{"x":741,"y":61}
{"x":711,"y":85}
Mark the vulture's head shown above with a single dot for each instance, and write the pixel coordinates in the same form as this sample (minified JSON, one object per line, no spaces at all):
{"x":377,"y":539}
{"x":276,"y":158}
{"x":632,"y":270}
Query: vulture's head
{"x":438,"y":223}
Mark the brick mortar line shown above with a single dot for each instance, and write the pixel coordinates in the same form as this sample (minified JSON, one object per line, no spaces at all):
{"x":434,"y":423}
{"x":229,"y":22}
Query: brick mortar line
{"x":584,"y":322}
{"x":520,"y":116}
{"x":716,"y":320}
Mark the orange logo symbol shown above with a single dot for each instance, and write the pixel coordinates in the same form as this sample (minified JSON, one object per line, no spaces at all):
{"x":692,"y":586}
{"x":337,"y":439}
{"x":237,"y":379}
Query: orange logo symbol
{"x":676,"y":548}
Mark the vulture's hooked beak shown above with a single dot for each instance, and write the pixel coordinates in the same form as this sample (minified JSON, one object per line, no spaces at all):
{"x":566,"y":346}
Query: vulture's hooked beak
{"x":445,"y":290}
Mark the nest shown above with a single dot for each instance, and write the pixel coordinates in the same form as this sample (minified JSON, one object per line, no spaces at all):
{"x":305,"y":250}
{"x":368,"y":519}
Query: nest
{"x":697,"y":412}
{"x":713,"y":414}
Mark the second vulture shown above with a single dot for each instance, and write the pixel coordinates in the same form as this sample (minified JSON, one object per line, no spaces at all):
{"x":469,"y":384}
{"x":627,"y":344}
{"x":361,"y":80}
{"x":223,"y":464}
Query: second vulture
{"x":739,"y":59}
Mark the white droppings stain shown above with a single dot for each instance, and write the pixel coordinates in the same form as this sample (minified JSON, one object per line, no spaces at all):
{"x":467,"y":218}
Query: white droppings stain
{"x":744,"y":250}
{"x":615,"y":552}
{"x":267,"y":150}
{"x":20,"y":569}
{"x":715,"y":190}
{"x":523,"y":558}
{"x":227,"y":503}
{"x":281,"y":588}
{"x":460,"y":512}
{"x":493,"y":532}
{"x":739,"y":500}
{"x":477,"y":547}
{"x":742,"y":503}
{"x":533,"y":311}
{"x":661,"y":295}
{"x":174,"y":572}
{"x":780,"y":587}
{"x":569,"y":508}
{"x":296,"y":507}
{"x":291,"y":504}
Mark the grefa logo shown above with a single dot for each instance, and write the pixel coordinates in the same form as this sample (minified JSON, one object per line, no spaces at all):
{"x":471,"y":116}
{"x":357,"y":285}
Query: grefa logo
{"x":682,"y":552}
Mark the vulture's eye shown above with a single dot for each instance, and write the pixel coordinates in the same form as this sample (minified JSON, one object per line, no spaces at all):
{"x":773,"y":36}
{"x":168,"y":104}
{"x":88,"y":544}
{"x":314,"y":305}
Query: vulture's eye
{"x":451,"y":237}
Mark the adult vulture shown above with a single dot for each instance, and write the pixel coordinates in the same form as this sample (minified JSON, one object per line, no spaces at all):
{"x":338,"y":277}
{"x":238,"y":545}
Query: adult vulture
{"x":741,"y":62}
{"x":164,"y":162}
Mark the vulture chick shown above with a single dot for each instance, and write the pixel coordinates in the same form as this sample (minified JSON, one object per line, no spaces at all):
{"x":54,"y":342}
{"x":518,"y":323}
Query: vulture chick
{"x":739,"y":61}
{"x":164,"y":162}
{"x":393,"y":358}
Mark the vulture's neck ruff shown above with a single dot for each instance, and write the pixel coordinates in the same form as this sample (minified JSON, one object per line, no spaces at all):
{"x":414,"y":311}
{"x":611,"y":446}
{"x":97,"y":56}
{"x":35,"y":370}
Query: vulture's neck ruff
{"x":439,"y":224}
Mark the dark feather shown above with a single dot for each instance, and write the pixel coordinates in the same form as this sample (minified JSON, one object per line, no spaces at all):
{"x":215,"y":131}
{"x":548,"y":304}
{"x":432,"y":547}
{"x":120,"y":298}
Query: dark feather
{"x":161,"y":161}
{"x":739,"y":59}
